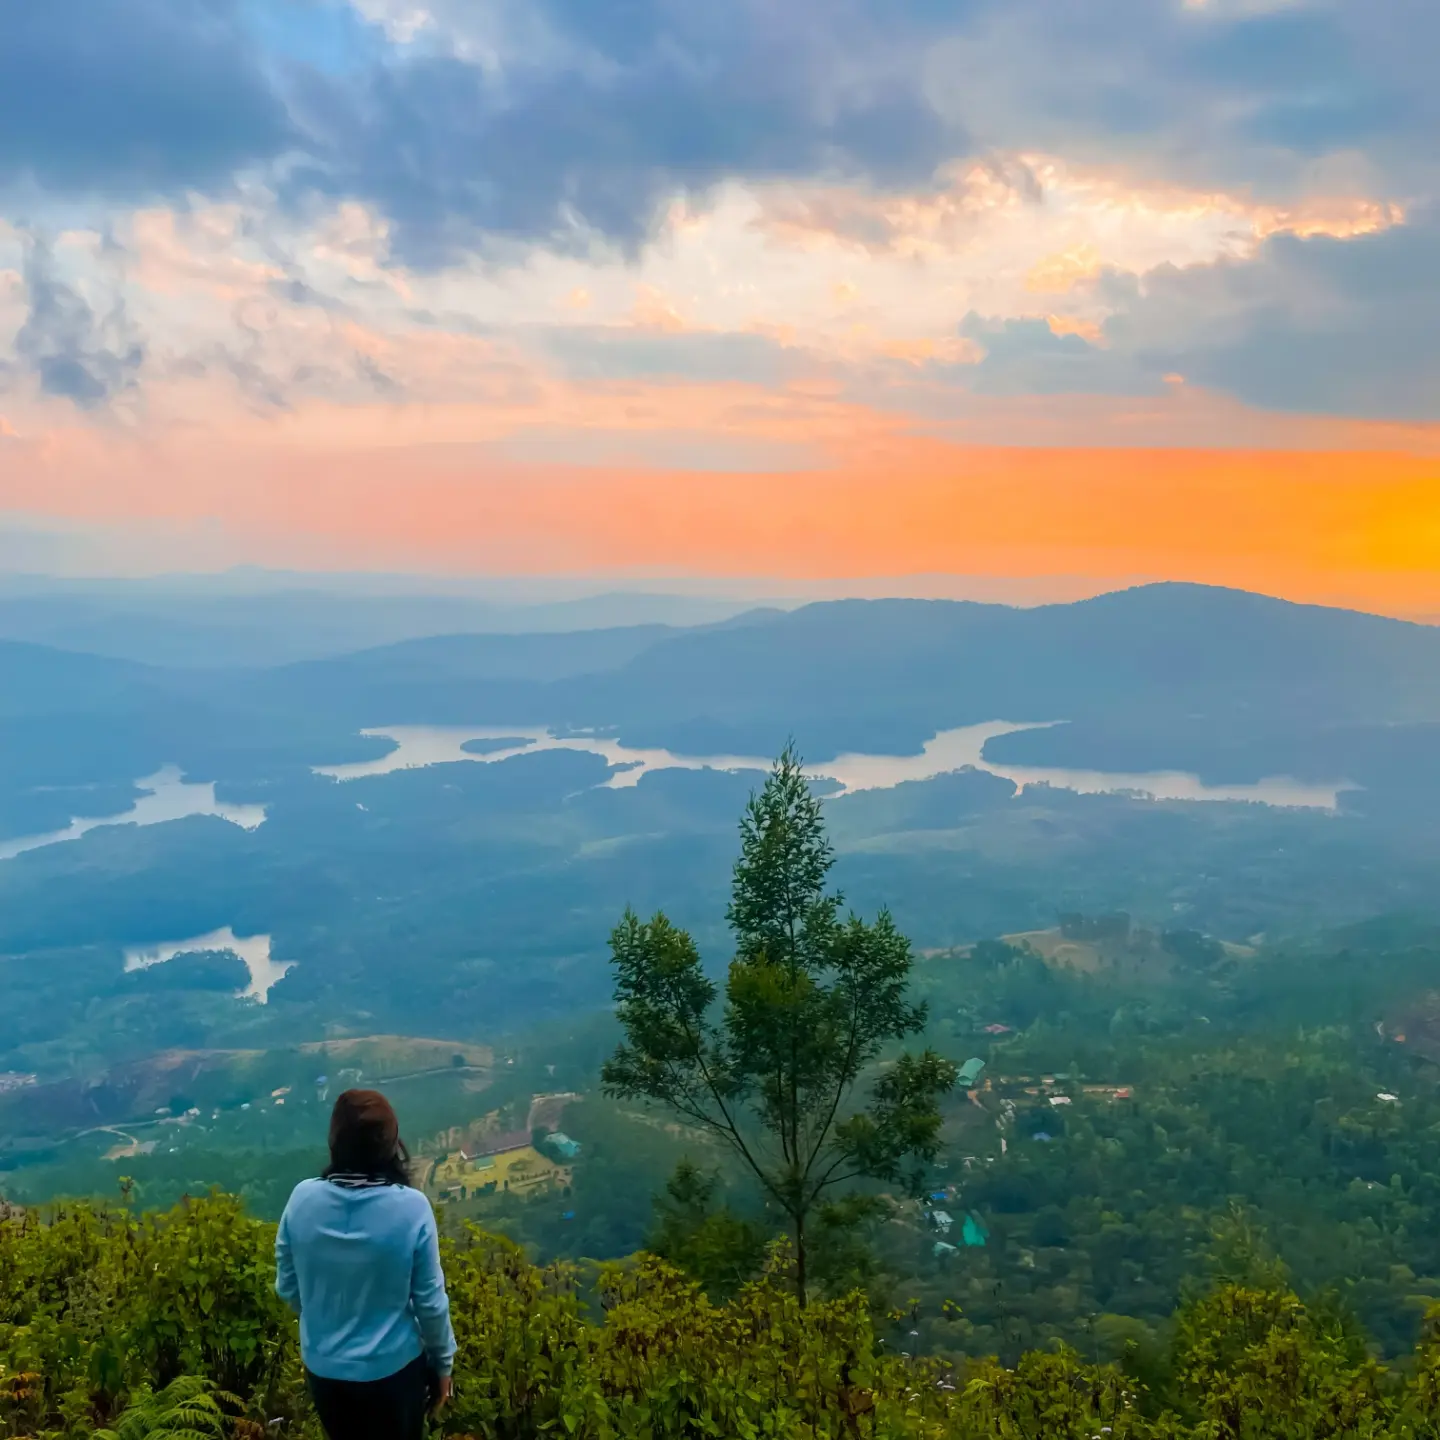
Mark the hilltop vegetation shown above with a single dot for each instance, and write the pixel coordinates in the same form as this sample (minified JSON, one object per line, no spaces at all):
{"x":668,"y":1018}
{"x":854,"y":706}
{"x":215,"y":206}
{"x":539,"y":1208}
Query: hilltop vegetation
{"x":111,"y":1320}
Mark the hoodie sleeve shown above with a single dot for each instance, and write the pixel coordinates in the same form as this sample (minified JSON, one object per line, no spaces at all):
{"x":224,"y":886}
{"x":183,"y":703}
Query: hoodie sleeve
{"x":287,"y":1287}
{"x":428,"y":1297}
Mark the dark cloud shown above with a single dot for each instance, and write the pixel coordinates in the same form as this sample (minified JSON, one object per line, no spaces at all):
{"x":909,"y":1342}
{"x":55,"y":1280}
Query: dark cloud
{"x":131,"y":96}
{"x":1317,"y":326}
{"x":1349,"y":327}
{"x":639,"y":100}
{"x":73,"y":351}
{"x":605,"y":110}
{"x":558,"y":119}
{"x":1026,"y":357}
{"x":1203,"y":95}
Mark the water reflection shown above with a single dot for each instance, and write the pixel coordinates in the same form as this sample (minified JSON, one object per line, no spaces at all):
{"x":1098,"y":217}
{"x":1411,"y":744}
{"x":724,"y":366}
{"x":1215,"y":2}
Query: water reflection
{"x":169,"y":797}
{"x":421,"y":745}
{"x":253,"y":950}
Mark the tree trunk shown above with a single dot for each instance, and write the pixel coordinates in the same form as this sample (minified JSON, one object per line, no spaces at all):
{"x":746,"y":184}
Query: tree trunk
{"x":800,"y":1257}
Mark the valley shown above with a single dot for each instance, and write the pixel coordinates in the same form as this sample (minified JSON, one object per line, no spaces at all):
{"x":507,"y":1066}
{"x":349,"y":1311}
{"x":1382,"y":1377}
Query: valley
{"x":1141,"y":900}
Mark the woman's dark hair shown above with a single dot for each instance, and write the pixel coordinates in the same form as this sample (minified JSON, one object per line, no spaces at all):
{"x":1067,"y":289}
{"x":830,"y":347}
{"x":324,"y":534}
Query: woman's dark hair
{"x":365,"y":1140}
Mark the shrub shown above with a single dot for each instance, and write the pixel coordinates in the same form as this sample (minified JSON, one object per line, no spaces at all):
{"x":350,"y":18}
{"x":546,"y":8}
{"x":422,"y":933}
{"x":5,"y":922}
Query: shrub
{"x":125,"y":1327}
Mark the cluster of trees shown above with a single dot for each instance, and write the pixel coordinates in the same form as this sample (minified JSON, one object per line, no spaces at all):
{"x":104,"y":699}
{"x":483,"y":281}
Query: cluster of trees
{"x":115,"y":1323}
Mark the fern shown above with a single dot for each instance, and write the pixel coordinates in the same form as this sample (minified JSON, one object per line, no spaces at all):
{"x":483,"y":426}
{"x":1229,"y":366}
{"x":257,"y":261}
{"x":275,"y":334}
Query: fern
{"x":189,"y":1408}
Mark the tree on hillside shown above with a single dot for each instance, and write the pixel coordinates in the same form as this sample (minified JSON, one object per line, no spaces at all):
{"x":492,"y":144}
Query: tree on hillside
{"x":811,"y":1001}
{"x":707,"y":1240}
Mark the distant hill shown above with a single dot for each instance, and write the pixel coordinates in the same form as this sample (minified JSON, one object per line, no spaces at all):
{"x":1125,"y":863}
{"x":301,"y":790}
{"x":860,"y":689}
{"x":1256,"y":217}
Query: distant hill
{"x":462,"y":659}
{"x":887,"y":674}
{"x":1162,"y":676}
{"x":39,"y":679}
{"x":217,"y":622}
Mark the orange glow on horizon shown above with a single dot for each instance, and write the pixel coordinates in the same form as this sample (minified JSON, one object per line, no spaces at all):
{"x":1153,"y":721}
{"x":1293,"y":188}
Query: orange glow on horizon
{"x":1350,"y":527}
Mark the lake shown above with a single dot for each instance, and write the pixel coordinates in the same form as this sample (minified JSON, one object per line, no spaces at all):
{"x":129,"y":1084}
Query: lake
{"x":421,"y":745}
{"x":253,"y":950}
{"x":170,"y":797}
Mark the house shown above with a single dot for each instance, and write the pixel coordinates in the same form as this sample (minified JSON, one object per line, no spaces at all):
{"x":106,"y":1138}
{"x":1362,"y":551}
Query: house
{"x":944,"y":1247}
{"x":970,"y":1072}
{"x":940,"y":1219}
{"x":563,"y":1145}
{"x":973,"y":1232}
{"x":501,"y":1144}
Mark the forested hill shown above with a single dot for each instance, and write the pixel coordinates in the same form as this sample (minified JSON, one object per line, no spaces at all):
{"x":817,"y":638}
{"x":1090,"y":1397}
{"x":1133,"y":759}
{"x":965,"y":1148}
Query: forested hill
{"x":166,"y":1324}
{"x":884,"y":674}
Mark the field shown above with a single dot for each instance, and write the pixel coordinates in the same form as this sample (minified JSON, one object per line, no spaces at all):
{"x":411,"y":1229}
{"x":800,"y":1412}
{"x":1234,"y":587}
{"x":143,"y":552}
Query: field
{"x":520,"y":1171}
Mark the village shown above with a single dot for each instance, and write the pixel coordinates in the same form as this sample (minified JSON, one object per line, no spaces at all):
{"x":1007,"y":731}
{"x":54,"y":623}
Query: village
{"x":997,"y":1101}
{"x":483,"y":1158}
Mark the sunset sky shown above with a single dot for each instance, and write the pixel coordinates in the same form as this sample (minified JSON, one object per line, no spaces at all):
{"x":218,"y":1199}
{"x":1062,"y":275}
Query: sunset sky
{"x":1062,"y":292}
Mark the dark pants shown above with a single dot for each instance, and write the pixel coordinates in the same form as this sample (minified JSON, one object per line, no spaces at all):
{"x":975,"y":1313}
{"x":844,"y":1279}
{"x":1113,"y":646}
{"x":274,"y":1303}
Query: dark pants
{"x":389,"y":1409}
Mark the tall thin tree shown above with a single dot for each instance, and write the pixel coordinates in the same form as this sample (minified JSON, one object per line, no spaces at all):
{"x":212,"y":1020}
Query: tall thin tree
{"x":811,"y":1002}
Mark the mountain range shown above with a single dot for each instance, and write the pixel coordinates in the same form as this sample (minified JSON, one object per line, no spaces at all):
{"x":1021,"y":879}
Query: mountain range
{"x":1225,"y":683}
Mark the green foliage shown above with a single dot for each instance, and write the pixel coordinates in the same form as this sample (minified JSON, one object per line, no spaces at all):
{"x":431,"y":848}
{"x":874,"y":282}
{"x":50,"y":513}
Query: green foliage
{"x":708,"y":1241}
{"x":101,"y":1305}
{"x":644,"y":1354}
{"x":188,"y":1408}
{"x":811,"y":1002}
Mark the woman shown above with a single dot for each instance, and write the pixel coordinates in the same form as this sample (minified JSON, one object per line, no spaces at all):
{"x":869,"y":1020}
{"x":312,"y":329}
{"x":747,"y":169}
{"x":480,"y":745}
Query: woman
{"x":356,"y":1256}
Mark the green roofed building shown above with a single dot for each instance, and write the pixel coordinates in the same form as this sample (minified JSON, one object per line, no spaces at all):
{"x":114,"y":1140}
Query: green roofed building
{"x":970,"y":1072}
{"x":973,"y":1231}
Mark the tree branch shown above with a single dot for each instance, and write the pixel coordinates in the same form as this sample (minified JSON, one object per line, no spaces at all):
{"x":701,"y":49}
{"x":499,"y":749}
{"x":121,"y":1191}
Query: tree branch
{"x":840,"y":1084}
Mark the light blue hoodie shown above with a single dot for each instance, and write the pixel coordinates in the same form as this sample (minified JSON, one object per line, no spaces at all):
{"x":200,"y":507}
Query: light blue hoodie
{"x":361,"y":1266}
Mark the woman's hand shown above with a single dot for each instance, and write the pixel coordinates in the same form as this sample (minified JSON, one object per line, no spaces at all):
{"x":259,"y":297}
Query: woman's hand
{"x":442,"y":1396}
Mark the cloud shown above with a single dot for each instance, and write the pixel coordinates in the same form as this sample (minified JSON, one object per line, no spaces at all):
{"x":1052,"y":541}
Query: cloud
{"x":472,"y":124}
{"x":1049,"y":356}
{"x":1221,"y":94}
{"x":127,"y":97}
{"x":74,"y":352}
{"x":1311,"y":324}
{"x":472,"y":202}
{"x":615,"y":353}
{"x":610,"y":112}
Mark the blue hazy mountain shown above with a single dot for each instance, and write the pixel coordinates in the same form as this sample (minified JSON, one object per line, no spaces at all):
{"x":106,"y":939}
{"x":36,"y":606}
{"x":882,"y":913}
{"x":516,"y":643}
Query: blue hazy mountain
{"x":1171,"y":674}
{"x":260,"y":618}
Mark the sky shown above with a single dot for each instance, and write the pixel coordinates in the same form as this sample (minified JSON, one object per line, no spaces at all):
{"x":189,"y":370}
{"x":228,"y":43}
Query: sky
{"x":1059,"y":293}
